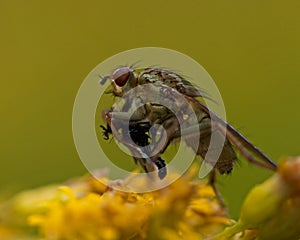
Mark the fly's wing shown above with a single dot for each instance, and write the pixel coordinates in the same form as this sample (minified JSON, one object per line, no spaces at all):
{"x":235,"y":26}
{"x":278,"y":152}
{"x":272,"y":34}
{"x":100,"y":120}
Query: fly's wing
{"x":247,"y":149}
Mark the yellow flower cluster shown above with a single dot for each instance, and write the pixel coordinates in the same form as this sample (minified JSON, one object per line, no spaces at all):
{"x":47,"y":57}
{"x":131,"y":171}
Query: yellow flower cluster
{"x":88,"y":209}
{"x":183,"y":210}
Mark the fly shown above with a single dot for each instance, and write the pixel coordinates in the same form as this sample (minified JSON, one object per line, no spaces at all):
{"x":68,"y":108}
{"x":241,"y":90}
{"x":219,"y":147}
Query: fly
{"x":125,"y":78}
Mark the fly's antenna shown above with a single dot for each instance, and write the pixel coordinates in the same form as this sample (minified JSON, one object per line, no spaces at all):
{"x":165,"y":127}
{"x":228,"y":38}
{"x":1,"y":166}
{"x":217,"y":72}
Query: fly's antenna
{"x":103,"y":79}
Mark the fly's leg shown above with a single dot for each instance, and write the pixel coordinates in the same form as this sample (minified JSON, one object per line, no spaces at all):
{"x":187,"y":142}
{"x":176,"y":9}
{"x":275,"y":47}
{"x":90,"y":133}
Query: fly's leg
{"x":158,"y":115}
{"x":212,"y":183}
{"x":106,"y":131}
{"x":146,"y":164}
{"x":138,"y":133}
{"x":162,"y":169}
{"x":159,"y":146}
{"x":171,"y":126}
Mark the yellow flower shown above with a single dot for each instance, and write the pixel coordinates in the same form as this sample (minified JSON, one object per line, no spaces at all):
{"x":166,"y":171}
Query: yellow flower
{"x":185,"y":209}
{"x":87,"y":209}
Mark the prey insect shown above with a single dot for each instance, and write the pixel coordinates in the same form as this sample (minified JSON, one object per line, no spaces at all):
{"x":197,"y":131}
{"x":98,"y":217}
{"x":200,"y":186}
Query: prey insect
{"x":148,"y":116}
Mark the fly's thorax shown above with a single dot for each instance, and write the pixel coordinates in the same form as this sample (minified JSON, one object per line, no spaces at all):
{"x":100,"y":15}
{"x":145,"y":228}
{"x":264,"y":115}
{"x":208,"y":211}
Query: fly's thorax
{"x":151,"y":75}
{"x":169,"y":78}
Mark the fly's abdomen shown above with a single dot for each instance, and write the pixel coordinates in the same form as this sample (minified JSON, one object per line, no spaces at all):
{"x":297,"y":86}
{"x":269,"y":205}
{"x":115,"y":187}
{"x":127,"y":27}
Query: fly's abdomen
{"x":221,"y":156}
{"x":224,"y":162}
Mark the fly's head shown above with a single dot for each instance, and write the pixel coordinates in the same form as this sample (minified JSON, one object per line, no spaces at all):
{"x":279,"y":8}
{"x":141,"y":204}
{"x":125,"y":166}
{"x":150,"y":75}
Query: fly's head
{"x":122,"y":80}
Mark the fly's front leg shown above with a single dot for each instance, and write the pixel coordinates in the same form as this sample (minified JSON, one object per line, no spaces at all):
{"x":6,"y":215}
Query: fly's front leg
{"x":141,"y":158}
{"x":106,"y":129}
{"x":133,"y":129}
{"x":124,"y":120}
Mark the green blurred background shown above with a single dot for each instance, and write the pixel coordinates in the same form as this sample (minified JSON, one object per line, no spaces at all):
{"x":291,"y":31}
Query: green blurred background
{"x":250,"y":48}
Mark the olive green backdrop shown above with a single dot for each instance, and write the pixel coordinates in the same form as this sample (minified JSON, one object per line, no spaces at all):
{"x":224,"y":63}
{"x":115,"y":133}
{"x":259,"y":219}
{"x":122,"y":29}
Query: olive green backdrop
{"x":250,"y":48}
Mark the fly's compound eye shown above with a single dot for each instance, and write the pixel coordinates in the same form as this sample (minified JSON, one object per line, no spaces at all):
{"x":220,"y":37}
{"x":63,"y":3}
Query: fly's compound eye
{"x":121,"y":76}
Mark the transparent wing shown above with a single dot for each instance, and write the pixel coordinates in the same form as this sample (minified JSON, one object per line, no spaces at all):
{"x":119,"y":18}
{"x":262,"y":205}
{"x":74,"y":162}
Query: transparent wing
{"x":242,"y":144}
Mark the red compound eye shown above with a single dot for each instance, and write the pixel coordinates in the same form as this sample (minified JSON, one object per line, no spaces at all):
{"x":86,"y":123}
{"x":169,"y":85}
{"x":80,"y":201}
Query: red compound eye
{"x":121,"y":76}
